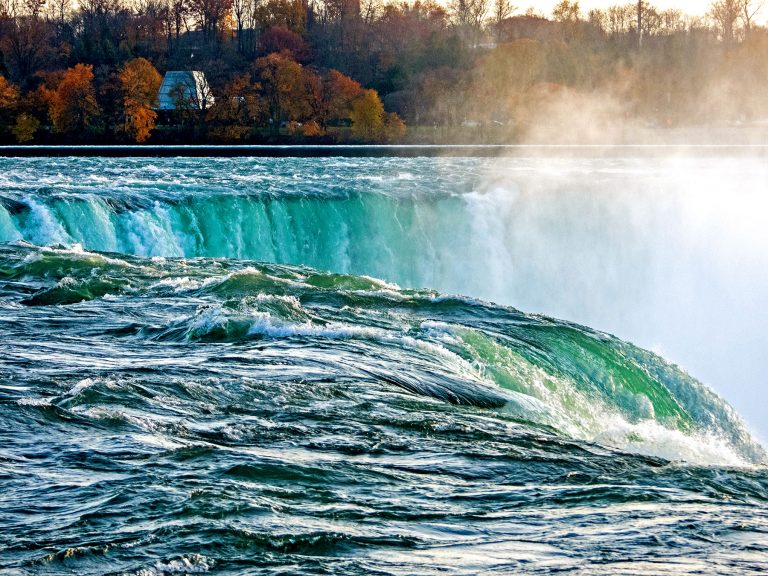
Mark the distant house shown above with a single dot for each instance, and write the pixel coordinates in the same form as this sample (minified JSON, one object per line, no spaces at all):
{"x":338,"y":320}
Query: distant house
{"x":185,"y":89}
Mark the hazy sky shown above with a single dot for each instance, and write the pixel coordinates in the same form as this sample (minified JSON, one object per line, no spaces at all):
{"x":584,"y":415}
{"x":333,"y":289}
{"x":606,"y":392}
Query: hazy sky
{"x":692,"y":7}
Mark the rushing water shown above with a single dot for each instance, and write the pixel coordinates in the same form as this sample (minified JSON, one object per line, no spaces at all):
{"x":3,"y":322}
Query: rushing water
{"x":200,"y":373}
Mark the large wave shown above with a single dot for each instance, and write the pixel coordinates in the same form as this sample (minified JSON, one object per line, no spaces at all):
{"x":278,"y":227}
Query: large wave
{"x":553,"y":375}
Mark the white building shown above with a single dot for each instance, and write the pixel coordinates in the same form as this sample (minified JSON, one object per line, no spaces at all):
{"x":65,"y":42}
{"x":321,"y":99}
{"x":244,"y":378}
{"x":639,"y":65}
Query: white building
{"x":187,"y":89}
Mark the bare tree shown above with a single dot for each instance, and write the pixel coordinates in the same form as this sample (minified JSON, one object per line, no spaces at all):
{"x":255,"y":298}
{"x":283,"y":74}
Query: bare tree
{"x":34,"y":7}
{"x":567,"y":11}
{"x":619,"y":19}
{"x":598,"y":18}
{"x":502,"y":9}
{"x":25,"y":46}
{"x":210,"y":15}
{"x":370,"y":10}
{"x":479,"y":12}
{"x":672,"y":21}
{"x":641,"y":19}
{"x":650,"y":21}
{"x":725,"y":14}
{"x":468,"y":16}
{"x":58,"y":10}
{"x":8,"y":9}
{"x":177,"y":16}
{"x":749,"y":9}
{"x":240,"y":12}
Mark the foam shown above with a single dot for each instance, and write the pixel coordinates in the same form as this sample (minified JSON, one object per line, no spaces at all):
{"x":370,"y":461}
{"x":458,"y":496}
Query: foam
{"x":187,"y":564}
{"x":76,"y":249}
{"x":650,"y":438}
{"x":80,"y":386}
{"x":34,"y":402}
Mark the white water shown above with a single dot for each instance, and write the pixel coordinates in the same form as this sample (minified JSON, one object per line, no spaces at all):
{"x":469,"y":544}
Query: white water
{"x":671,"y":255}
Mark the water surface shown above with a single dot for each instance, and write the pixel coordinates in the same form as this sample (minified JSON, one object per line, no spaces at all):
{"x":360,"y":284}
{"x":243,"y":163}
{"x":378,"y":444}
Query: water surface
{"x":201,"y":373}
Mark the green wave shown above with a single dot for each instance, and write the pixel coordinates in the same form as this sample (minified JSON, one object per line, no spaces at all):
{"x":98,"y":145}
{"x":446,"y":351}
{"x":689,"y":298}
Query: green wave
{"x":539,"y":371}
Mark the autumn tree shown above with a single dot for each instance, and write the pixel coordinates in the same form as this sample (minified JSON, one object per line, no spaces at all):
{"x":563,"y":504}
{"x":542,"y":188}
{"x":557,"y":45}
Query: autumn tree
{"x":568,"y":14}
{"x":9,"y":94}
{"x":443,"y":95}
{"x":149,"y":33}
{"x":235,"y":111}
{"x":503,"y":77}
{"x":426,"y":58}
{"x":9,"y":97}
{"x":72,"y":104}
{"x":367,"y":116}
{"x":394,"y":128}
{"x":334,"y":97}
{"x":284,"y":40}
{"x":140,"y":83}
{"x":290,"y":14}
{"x":25,"y":127}
{"x":283,"y":88}
{"x":311,"y":129}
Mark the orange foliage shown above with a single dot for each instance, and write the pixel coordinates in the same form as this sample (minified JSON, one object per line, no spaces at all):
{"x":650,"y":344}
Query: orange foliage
{"x":283,"y":87}
{"x":140,"y":83}
{"x":340,"y":92}
{"x":9,"y":94}
{"x":311,"y":129}
{"x":72,"y":104}
{"x":394,"y":127}
{"x":140,"y":123}
{"x":235,"y":110}
{"x":331,"y":97}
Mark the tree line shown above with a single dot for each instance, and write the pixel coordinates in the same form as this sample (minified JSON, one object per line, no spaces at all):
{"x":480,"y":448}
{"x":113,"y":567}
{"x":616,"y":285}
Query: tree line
{"x":360,"y":70}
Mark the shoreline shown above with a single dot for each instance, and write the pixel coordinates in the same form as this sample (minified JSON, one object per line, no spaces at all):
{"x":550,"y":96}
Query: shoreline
{"x":387,"y":150}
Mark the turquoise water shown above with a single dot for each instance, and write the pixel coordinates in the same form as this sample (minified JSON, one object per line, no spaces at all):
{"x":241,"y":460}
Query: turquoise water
{"x":252,"y":367}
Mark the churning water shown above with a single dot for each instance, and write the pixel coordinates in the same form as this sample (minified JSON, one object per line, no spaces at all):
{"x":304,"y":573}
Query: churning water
{"x":201,"y":372}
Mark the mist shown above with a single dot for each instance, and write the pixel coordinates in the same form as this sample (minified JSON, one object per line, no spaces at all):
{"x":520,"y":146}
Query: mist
{"x":590,"y":78}
{"x":669,"y":253}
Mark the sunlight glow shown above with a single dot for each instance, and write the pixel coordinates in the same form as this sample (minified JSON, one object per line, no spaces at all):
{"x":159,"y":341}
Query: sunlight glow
{"x":691,"y":7}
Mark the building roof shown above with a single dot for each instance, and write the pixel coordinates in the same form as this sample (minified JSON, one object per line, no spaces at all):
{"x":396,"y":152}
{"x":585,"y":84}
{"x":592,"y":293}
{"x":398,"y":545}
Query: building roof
{"x":187,"y":88}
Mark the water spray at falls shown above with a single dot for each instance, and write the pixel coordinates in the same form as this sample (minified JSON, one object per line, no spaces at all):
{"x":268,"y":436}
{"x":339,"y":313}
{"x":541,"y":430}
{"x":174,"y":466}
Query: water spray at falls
{"x":670,"y":254}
